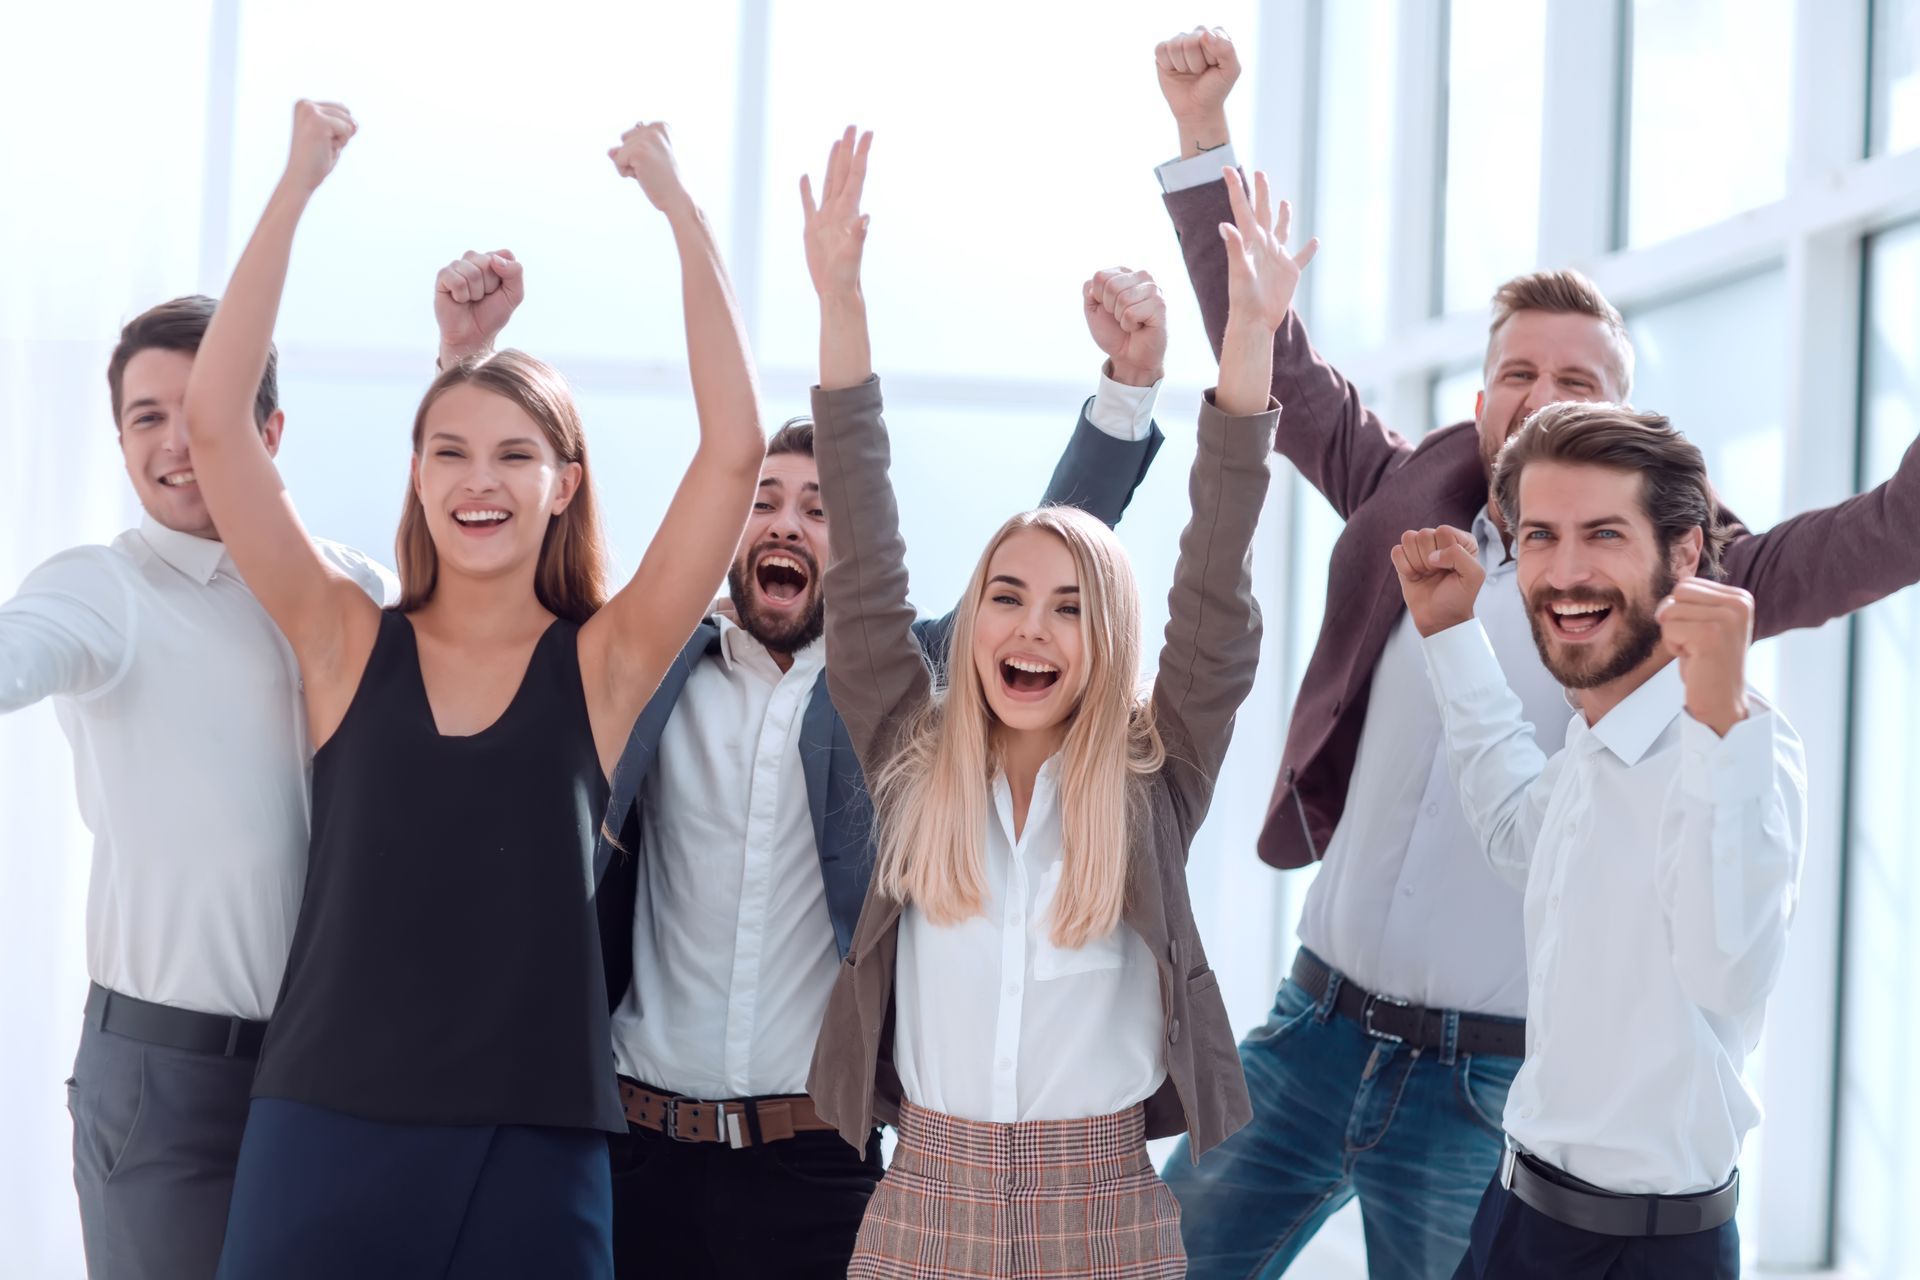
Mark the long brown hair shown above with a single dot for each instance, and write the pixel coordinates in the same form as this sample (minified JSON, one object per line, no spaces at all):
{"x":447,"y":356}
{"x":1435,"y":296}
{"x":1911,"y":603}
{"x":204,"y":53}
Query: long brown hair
{"x":571,"y":581}
{"x":933,"y":798}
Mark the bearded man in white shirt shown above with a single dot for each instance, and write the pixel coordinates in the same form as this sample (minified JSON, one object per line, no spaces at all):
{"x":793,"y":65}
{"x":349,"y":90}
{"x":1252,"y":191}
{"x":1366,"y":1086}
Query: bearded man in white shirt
{"x":1659,"y":851}
{"x":181,"y":701}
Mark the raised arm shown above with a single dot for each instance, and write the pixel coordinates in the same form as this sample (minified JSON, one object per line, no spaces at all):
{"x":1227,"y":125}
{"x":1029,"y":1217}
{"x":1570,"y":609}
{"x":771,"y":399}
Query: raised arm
{"x":325,"y":615}
{"x":876,"y":672}
{"x":625,"y":648}
{"x":473,"y":298}
{"x":1734,"y":829}
{"x":1337,"y":443}
{"x":1824,"y":564}
{"x":1213,"y":628}
{"x":1497,"y":766}
{"x":1115,"y":440}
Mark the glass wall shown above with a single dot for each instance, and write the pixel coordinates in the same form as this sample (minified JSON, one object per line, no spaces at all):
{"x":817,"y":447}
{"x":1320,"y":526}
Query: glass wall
{"x":1879,"y":1176}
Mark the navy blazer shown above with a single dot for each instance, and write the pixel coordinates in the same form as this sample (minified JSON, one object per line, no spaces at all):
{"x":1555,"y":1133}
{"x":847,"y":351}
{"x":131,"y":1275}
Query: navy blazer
{"x":1098,"y":473}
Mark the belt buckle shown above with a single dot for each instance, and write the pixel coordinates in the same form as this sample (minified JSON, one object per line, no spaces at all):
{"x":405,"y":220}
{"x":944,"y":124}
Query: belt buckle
{"x":1366,"y":1016}
{"x":1509,"y":1156}
{"x":670,"y":1118}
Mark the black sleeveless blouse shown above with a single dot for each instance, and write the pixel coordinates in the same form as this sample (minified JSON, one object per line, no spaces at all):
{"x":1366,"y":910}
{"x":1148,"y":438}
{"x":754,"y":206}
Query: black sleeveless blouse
{"x":445,"y":966}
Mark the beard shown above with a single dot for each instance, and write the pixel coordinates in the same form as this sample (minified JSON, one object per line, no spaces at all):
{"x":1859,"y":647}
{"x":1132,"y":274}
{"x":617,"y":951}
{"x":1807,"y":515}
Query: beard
{"x":1580,"y":668}
{"x":781,"y":631}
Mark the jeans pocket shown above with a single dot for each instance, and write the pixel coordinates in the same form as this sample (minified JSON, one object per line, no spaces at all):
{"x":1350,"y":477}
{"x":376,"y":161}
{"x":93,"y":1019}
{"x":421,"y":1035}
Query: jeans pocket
{"x":1292,"y":1006}
{"x":1481,"y":1083}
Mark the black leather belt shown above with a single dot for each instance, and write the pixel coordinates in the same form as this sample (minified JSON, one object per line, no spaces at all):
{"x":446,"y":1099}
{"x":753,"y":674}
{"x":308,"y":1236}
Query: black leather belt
{"x":1567,"y":1199}
{"x":1402,"y":1022}
{"x":172,"y":1028}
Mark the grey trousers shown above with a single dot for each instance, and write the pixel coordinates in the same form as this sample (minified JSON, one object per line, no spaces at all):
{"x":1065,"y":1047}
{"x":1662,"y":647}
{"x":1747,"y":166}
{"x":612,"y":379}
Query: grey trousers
{"x":156,"y":1133}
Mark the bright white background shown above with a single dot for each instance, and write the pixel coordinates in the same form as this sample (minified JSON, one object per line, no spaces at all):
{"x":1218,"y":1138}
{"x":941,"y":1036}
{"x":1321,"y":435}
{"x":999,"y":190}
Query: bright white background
{"x":1738,"y":176}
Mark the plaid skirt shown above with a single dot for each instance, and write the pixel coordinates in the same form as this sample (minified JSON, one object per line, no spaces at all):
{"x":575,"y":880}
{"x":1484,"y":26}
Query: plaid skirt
{"x":1040,"y":1200}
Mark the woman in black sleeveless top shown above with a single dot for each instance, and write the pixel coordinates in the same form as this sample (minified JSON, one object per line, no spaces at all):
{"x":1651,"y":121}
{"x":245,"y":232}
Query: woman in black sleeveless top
{"x":437,"y":1074}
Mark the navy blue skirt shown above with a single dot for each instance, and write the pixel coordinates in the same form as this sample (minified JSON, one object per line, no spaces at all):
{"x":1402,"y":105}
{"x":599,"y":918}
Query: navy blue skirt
{"x":319,"y":1194}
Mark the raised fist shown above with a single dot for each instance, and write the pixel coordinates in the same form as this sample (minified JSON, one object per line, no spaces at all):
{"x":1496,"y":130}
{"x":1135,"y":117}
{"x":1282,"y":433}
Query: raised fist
{"x":1127,"y":315}
{"x":1262,"y":276}
{"x":645,"y":154}
{"x":1708,"y":627}
{"x":1197,"y":71}
{"x":836,"y":230}
{"x":1440,"y":576}
{"x":320,"y":130}
{"x":473,"y":298}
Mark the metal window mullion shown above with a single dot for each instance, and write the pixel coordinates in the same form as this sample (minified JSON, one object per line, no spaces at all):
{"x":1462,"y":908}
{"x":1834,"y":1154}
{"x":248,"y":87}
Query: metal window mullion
{"x":1286,"y":106}
{"x":1415,"y":248}
{"x":1823,"y":278}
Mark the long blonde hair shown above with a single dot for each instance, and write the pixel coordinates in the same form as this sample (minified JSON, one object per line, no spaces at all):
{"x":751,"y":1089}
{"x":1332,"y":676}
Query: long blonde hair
{"x":932,"y":799}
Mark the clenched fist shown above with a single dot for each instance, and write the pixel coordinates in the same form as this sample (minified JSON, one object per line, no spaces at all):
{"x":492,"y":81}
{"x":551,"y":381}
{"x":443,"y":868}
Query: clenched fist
{"x":1262,"y":276}
{"x":1708,"y":627}
{"x":645,"y":154}
{"x":1197,"y":71}
{"x":473,"y":298}
{"x":1127,"y":315}
{"x":320,"y":130}
{"x":1440,"y":576}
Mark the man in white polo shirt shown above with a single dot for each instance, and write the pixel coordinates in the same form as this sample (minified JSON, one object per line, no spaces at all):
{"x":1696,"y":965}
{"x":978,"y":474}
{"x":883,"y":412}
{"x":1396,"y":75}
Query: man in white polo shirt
{"x":182,"y":703}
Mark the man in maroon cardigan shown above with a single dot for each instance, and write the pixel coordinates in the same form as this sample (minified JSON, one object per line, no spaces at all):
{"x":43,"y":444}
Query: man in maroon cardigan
{"x":1383,"y":1069}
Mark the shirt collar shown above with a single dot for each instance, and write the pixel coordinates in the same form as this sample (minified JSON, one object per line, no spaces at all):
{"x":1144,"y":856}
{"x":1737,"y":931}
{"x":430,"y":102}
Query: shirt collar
{"x":1494,"y":553}
{"x":738,"y":645}
{"x":1632,"y":727}
{"x":197,"y":558}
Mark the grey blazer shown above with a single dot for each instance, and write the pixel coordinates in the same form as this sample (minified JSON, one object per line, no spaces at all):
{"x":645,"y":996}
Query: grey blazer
{"x":880,"y":678}
{"x":1098,"y":473}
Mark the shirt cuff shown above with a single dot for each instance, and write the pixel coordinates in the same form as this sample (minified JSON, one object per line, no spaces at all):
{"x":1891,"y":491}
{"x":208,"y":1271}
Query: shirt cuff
{"x":1460,"y":660}
{"x":1729,"y":770}
{"x":1122,"y":411}
{"x":1195,"y":171}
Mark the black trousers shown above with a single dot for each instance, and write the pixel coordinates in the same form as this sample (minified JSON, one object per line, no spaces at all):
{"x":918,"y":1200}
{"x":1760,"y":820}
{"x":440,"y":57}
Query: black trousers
{"x":1514,"y":1241}
{"x":785,"y":1211}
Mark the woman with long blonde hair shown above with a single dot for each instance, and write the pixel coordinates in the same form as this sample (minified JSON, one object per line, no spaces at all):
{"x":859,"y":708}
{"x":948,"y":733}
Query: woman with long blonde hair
{"x":435,"y":1083}
{"x":1026,"y":997}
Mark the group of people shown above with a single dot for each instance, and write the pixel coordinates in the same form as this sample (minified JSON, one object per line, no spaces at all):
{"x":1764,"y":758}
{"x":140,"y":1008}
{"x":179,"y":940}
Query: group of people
{"x":494,"y":921}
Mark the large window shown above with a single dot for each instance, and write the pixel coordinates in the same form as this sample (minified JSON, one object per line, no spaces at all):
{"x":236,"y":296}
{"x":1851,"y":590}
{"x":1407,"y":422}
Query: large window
{"x":1354,"y":173}
{"x":1496,"y":66}
{"x":1895,"y":111}
{"x":1708,"y":113}
{"x":1879,"y":1182}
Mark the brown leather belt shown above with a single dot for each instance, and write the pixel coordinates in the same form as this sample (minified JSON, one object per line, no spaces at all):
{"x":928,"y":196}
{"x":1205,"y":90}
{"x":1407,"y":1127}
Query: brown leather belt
{"x":1403,"y":1022}
{"x":741,"y":1122}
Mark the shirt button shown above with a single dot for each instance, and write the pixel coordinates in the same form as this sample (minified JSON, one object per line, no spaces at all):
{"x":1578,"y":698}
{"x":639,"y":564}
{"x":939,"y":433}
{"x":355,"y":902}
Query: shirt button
{"x":1173,"y":1032}
{"x":1433,"y":811}
{"x":1013,"y":988}
{"x":1526,"y":1113}
{"x":1407,"y":892}
{"x":1553,"y":903}
{"x":1336,"y":707}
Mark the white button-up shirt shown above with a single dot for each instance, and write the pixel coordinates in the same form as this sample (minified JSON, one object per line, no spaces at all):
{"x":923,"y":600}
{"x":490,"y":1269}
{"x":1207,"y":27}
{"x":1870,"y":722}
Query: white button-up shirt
{"x":994,"y":1022}
{"x":733,"y":951}
{"x":1661,"y":866}
{"x":182,"y":702}
{"x":1404,"y":902}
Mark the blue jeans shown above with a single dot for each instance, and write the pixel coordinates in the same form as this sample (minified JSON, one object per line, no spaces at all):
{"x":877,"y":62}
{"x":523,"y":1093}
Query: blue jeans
{"x":1338,"y":1113}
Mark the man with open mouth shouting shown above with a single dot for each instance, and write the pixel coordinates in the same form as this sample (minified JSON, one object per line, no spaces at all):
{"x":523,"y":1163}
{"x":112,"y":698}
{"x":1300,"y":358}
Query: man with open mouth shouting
{"x":737,"y":855}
